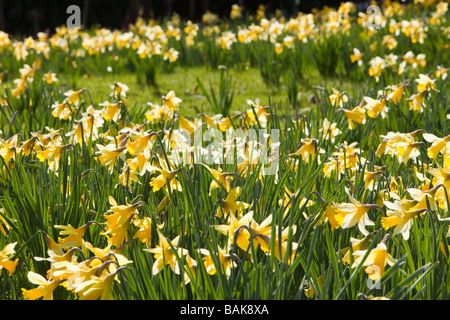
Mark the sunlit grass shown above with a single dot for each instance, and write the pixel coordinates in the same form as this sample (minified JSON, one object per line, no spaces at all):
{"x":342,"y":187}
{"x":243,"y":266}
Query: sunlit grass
{"x":247,"y":85}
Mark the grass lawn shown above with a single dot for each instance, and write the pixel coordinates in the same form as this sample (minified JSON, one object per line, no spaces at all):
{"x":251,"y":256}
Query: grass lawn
{"x":248,"y":84}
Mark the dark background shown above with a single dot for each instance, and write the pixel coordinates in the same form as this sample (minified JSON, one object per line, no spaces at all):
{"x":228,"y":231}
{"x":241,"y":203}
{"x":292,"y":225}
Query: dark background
{"x":27,"y":17}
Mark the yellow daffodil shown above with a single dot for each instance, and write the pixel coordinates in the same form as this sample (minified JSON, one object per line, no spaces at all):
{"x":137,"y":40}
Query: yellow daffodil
{"x":236,"y":12}
{"x":55,"y":247}
{"x":107,"y":254}
{"x":109,"y":154}
{"x":401,"y":145}
{"x":26,"y":146}
{"x":441,"y":176}
{"x":4,"y":225}
{"x":44,"y":290}
{"x":144,"y":234}
{"x":348,"y":158}
{"x":52,"y":153}
{"x":158,"y":113}
{"x":284,"y":251}
{"x":289,"y":197}
{"x":226,"y":261}
{"x":308,"y":149}
{"x":165,"y":254}
{"x":234,"y":232}
{"x":400,"y":217}
{"x":166,"y":176}
{"x":329,"y":130}
{"x":357,"y":245}
{"x":356,"y":56}
{"x":50,"y":77}
{"x":312,"y":289}
{"x":110,"y":111}
{"x":425,"y":83}
{"x":5,"y":256}
{"x":357,"y":114}
{"x":221,"y":179}
{"x":191,"y":264}
{"x":338,"y":98}
{"x":73,"y":235}
{"x":61,"y":110}
{"x":396,"y":92}
{"x":231,"y":205}
{"x":8,"y":148}
{"x":441,"y":72}
{"x":376,"y":260}
{"x":171,"y":101}
{"x":375,"y":107}
{"x":118,"y":219}
{"x":369,"y":179}
{"x":73,"y":97}
{"x":355,"y":213}
{"x":377,"y":65}
{"x":438,"y":145}
{"x":97,"y":287}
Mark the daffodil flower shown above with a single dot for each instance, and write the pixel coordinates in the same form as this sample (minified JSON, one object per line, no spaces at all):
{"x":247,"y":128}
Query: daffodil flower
{"x":50,"y":77}
{"x":357,"y":114}
{"x":165,"y":177}
{"x":110,"y":111}
{"x":73,"y":235}
{"x":231,"y":205}
{"x":441,"y":72}
{"x":329,"y":130}
{"x":109,"y":154}
{"x":158,"y":113}
{"x":141,"y":143}
{"x":356,"y":56}
{"x":97,"y":287}
{"x":171,"y":101}
{"x":441,"y":176}
{"x":55,"y":247}
{"x":289,"y":198}
{"x":118,"y":219}
{"x":226,"y":261}
{"x":396,"y":92}
{"x":357,"y":245}
{"x":400,"y":216}
{"x":338,"y":98}
{"x":401,"y":145}
{"x":425,"y":83}
{"x":4,"y":225}
{"x":5,"y":256}
{"x":26,"y":146}
{"x":52,"y":153}
{"x":8,"y":148}
{"x":281,"y":247}
{"x":165,"y":254}
{"x":308,"y":149}
{"x":233,"y":231}
{"x":376,"y":260}
{"x":107,"y":254}
{"x":192,"y":265}
{"x":375,"y":107}
{"x":438,"y":145}
{"x":144,"y":234}
{"x":220,"y":179}
{"x":355,"y":213}
{"x":369,"y":179}
{"x":417,"y":101}
{"x":73,"y":97}
{"x":44,"y":290}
